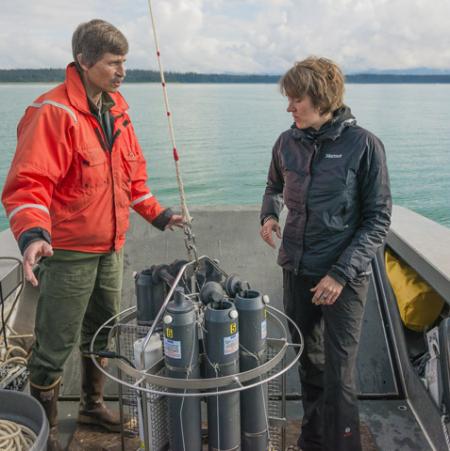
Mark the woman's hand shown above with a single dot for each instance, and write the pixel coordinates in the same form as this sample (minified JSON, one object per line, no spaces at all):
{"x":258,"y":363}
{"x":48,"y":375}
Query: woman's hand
{"x":267,"y":229}
{"x":326,"y":291}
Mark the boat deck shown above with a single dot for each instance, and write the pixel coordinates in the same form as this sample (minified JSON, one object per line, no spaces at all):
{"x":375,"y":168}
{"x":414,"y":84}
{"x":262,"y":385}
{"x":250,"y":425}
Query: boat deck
{"x":385,"y":425}
{"x":397,"y":412}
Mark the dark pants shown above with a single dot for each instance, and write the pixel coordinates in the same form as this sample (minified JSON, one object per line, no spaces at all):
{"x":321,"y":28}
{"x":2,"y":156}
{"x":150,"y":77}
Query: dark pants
{"x":78,"y":293}
{"x":327,"y":365}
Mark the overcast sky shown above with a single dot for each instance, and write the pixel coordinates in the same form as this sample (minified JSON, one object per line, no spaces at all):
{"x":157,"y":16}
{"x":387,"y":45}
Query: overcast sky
{"x":246,"y":36}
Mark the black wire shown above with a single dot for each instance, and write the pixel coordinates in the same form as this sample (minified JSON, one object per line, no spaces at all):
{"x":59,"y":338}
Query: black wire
{"x":3,"y":330}
{"x":3,"y":317}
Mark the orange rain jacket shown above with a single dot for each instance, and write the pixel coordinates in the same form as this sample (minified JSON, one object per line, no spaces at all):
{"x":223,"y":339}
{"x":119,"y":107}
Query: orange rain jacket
{"x":61,"y":179}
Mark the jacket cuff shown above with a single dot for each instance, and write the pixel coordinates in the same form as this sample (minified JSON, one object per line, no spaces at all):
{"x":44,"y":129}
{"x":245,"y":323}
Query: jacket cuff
{"x":264,"y":219}
{"x":31,"y":235}
{"x":338,"y":276}
{"x":163,"y":219}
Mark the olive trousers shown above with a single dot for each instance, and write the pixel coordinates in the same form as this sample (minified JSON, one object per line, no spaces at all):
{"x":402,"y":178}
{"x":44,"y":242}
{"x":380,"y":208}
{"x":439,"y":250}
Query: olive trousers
{"x":79,"y":291}
{"x":327,"y":365}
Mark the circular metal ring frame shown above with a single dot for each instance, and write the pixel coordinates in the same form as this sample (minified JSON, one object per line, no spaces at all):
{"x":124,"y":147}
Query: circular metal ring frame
{"x":167,"y":386}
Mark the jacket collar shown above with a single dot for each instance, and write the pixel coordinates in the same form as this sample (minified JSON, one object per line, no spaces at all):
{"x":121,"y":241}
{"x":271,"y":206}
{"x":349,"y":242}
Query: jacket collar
{"x":342,"y":118}
{"x":77,"y":93}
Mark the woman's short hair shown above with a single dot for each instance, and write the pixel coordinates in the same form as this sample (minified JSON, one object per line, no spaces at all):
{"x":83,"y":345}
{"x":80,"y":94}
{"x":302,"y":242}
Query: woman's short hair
{"x":319,"y":78}
{"x":95,"y":38}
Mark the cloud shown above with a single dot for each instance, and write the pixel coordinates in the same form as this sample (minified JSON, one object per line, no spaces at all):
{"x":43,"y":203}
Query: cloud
{"x":246,"y":36}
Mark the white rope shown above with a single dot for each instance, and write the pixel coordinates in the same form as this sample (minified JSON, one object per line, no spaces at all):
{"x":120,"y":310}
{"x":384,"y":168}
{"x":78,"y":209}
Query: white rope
{"x":184,"y":208}
{"x":15,"y":436}
{"x":9,"y":360}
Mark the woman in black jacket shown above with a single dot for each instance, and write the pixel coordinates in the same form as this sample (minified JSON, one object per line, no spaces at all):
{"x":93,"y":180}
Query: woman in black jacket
{"x":331,"y":174}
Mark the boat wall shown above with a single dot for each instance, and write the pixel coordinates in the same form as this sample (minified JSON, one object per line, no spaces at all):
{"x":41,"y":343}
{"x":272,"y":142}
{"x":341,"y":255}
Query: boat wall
{"x":232,"y":236}
{"x":424,"y":245}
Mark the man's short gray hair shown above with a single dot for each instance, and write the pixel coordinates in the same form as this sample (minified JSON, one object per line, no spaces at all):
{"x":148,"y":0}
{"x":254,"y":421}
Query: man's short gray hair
{"x":95,"y":38}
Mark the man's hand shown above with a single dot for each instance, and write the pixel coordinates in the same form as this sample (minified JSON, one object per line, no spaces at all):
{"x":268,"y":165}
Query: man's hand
{"x":31,"y":256}
{"x":175,"y":221}
{"x":326,"y":291}
{"x":270,"y":226}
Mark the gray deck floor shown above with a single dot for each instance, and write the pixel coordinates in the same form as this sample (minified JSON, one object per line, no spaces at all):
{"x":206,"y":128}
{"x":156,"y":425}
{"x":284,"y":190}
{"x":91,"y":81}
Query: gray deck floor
{"x":385,"y":426}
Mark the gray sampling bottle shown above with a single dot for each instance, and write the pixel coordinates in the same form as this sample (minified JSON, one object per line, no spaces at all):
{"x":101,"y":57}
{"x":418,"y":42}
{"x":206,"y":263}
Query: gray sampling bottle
{"x":150,"y":296}
{"x":252,"y":338}
{"x":182,"y":361}
{"x":222,"y":359}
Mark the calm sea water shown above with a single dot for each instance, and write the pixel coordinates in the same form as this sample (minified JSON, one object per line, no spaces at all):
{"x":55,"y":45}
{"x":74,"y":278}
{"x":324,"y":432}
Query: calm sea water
{"x":225,"y":134}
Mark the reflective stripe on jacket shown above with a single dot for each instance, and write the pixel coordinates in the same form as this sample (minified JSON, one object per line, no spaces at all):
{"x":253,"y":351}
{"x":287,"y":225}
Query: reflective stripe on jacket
{"x":63,"y":179}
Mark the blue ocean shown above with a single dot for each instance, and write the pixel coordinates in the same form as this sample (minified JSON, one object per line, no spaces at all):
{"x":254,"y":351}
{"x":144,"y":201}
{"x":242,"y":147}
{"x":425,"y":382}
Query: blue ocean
{"x":225,"y":134}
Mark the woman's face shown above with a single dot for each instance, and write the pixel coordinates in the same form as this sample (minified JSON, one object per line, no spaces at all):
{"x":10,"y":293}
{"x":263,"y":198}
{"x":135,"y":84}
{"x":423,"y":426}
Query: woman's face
{"x":305,"y":114}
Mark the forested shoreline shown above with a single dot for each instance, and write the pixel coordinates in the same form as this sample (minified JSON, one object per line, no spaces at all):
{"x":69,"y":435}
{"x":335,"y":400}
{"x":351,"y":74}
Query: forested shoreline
{"x":148,"y":76}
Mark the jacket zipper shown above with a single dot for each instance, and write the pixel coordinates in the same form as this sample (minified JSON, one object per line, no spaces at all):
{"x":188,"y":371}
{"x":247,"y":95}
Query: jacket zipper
{"x":311,"y":163}
{"x":100,"y":135}
{"x":125,"y":123}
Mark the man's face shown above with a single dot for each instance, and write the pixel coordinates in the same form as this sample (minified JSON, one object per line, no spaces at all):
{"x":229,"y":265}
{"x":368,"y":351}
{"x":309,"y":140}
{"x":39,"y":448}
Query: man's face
{"x":106,"y":74}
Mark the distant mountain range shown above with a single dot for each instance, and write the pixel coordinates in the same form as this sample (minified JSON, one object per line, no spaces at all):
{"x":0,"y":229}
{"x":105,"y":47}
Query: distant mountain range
{"x":417,"y":75}
{"x":413,"y":71}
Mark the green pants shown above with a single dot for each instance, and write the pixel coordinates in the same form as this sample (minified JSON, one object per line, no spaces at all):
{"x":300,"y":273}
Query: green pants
{"x":78,"y":293}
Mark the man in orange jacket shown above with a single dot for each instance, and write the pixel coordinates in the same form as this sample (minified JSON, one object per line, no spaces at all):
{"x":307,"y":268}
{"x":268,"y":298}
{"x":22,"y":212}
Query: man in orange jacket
{"x":77,"y":170}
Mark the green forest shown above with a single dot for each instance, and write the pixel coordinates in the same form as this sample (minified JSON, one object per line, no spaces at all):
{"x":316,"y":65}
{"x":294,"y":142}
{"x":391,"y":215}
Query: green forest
{"x":148,"y":76}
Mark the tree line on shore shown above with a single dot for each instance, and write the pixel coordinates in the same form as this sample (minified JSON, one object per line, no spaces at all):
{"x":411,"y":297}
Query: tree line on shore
{"x":149,"y":76}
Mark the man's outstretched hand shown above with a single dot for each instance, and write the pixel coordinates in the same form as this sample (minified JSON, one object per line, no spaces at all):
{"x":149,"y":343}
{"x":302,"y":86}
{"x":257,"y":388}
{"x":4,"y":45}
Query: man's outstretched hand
{"x":32,"y":255}
{"x":175,"y":221}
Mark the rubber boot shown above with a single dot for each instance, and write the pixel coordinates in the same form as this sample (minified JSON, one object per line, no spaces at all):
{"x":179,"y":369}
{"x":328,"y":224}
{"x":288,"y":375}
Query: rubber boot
{"x":48,"y":398}
{"x":93,"y":410}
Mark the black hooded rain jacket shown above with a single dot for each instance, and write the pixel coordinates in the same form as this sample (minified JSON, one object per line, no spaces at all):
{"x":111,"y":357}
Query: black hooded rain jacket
{"x":335,"y":185}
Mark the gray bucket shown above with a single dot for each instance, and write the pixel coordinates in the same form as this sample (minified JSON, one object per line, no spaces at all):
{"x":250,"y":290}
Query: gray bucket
{"x":24,"y":409}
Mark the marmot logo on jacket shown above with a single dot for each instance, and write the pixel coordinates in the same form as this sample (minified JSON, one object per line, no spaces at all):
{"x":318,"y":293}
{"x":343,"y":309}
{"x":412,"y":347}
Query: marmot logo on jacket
{"x":333,"y":155}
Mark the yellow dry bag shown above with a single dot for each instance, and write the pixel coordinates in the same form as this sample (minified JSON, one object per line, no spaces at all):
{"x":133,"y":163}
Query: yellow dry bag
{"x":418,"y":303}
